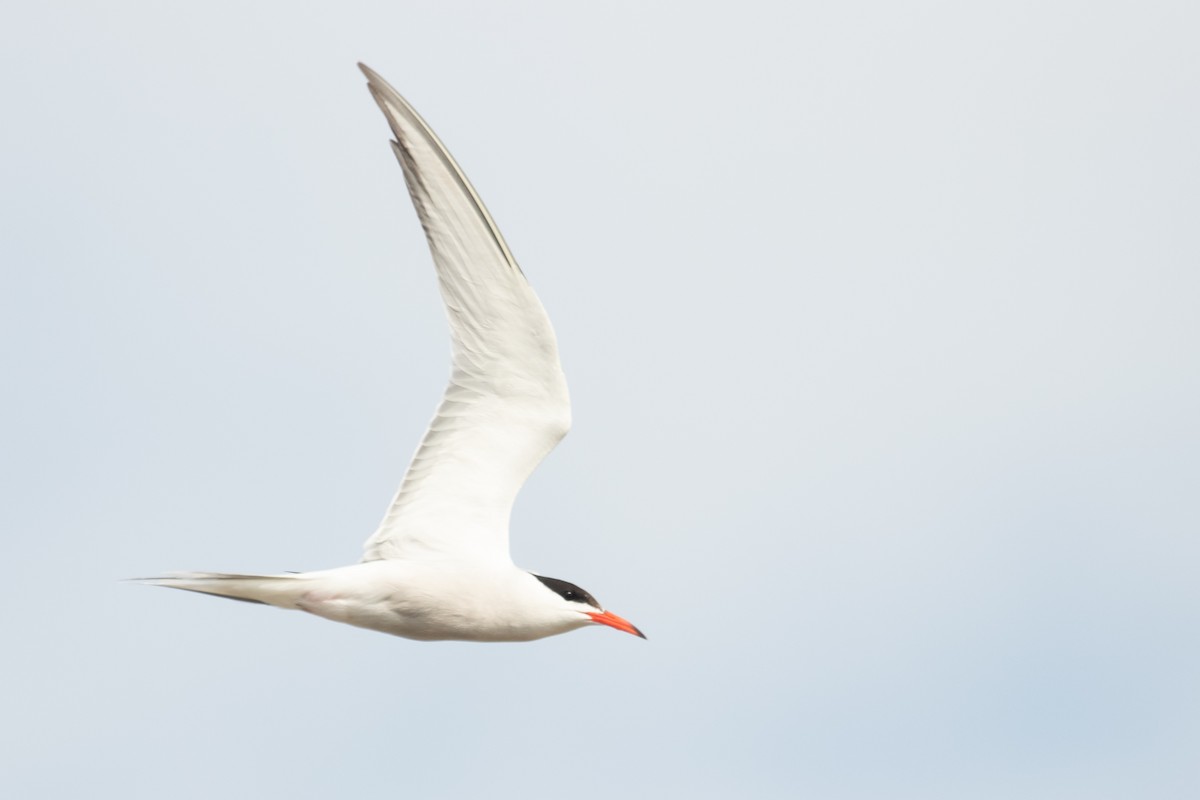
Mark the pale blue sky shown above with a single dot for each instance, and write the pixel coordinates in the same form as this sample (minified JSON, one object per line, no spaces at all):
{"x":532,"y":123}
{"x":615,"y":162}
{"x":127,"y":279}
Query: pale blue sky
{"x":881,"y":327}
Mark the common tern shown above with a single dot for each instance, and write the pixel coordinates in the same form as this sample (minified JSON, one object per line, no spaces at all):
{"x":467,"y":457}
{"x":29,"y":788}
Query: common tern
{"x":439,"y":567}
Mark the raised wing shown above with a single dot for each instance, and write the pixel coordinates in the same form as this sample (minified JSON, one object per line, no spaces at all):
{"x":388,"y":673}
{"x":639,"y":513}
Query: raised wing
{"x":506,"y":405}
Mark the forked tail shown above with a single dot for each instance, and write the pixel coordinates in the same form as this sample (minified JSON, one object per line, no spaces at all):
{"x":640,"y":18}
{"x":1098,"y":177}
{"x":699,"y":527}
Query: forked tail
{"x":274,"y":590}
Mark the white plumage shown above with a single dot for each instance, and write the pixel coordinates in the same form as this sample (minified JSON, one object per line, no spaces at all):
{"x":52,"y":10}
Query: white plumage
{"x":438,"y":567}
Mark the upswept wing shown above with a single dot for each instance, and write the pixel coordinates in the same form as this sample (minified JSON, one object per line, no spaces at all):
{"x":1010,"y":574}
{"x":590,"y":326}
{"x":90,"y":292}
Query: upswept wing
{"x":507,"y":405}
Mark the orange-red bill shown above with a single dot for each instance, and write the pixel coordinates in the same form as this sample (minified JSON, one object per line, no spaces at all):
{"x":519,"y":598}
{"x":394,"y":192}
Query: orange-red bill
{"x":613,"y":621}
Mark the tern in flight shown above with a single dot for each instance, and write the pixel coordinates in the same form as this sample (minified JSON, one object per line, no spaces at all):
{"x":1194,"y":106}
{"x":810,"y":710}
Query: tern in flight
{"x":439,"y":567}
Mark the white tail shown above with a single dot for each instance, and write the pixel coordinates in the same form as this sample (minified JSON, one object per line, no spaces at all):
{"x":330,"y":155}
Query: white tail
{"x":274,"y":590}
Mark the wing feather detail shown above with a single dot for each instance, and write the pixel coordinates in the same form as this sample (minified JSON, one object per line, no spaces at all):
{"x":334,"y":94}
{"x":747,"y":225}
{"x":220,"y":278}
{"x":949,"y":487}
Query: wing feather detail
{"x":506,"y":405}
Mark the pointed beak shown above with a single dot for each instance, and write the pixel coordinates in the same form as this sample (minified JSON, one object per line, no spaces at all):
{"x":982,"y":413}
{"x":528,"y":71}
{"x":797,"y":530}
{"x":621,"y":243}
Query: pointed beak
{"x":613,"y":621}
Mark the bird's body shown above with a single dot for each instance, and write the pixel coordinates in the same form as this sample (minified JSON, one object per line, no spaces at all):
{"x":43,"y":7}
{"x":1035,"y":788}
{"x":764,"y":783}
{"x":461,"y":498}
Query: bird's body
{"x":438,"y":567}
{"x":418,"y":599}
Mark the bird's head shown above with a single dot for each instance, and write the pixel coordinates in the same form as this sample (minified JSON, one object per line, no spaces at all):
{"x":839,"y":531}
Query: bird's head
{"x":577,"y":601}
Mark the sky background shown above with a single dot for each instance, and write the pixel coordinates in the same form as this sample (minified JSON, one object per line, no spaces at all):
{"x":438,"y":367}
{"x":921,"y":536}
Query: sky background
{"x":881,"y":325}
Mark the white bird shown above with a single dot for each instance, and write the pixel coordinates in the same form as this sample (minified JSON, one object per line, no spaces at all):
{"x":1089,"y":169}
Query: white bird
{"x":439,"y":567}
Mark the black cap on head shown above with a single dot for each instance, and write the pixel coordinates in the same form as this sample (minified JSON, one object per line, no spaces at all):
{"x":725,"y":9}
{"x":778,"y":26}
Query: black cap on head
{"x":568,"y":591}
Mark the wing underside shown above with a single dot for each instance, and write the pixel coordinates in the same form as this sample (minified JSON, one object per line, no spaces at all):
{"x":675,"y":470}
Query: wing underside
{"x":506,"y":405}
